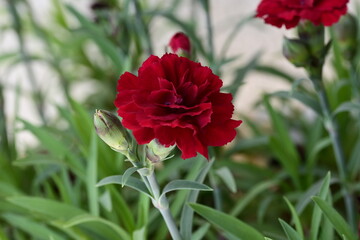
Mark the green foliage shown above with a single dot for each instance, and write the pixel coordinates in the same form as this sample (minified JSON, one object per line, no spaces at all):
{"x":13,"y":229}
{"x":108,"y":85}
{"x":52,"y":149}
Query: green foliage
{"x":227,"y":223}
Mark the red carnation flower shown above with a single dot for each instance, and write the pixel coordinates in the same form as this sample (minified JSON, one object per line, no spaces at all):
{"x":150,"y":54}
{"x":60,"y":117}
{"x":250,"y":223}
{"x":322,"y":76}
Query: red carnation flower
{"x":290,"y":12}
{"x":176,"y":101}
{"x":180,"y":42}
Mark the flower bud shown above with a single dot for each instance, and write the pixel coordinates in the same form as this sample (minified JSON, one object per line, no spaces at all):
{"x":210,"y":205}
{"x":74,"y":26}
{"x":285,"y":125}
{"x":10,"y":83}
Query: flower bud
{"x":111,"y":131}
{"x":313,"y":36}
{"x":180,"y":44}
{"x":296,"y":51}
{"x":345,"y":31}
{"x":100,"y":5}
{"x":156,"y":152}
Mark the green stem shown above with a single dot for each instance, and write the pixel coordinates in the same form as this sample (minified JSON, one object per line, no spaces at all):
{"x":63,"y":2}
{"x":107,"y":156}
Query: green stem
{"x":163,"y":207}
{"x":332,"y":128}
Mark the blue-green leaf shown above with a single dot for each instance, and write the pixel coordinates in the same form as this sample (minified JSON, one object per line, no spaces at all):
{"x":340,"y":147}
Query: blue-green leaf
{"x":303,"y":98}
{"x":34,"y":229}
{"x":347,"y":107}
{"x":184,"y":185}
{"x":127,"y":174}
{"x":50,"y":208}
{"x":295,"y":218}
{"x":316,"y":217}
{"x":335,"y":218}
{"x":228,"y":223}
{"x":187,"y":213}
{"x":86,"y":218}
{"x":225,"y":174}
{"x":200,"y":233}
{"x":132,"y":182}
{"x":289,"y":231}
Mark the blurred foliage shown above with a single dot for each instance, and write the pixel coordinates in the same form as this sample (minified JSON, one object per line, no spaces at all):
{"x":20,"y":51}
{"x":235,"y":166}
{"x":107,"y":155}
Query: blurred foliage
{"x":48,"y":192}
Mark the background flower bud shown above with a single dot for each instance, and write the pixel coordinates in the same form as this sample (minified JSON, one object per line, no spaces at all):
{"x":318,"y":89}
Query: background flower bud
{"x":296,"y":51}
{"x":345,"y":32}
{"x":180,"y":44}
{"x":110,"y":130}
{"x":156,"y":152}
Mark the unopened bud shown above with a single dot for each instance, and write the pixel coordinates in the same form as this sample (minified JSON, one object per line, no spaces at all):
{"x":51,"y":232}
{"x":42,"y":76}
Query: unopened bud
{"x":111,"y":131}
{"x":180,"y":44}
{"x":297,"y":52}
{"x":156,"y":152}
{"x":313,"y":36}
{"x":99,"y":5}
{"x":345,"y":32}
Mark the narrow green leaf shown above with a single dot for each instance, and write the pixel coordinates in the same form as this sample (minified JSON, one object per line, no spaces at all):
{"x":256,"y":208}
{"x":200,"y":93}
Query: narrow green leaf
{"x":127,"y":174}
{"x":107,"y":47}
{"x":303,"y":98}
{"x":55,"y":146}
{"x":225,"y":174}
{"x":47,"y":139}
{"x":86,"y":218}
{"x":327,"y":229}
{"x":81,"y":121}
{"x":143,"y":211}
{"x":184,"y":185}
{"x":354,"y":163}
{"x":335,"y":218}
{"x":275,"y":72}
{"x":91,"y":176}
{"x":316,"y":217}
{"x":187,"y":214}
{"x":295,"y":218}
{"x":51,"y":208}
{"x":338,"y":58}
{"x":7,"y":190}
{"x":317,"y":148}
{"x":38,"y":159}
{"x":132,"y":182}
{"x":34,"y":229}
{"x":240,"y":75}
{"x":200,"y":233}
{"x":105,"y":201}
{"x":347,"y":107}
{"x":255,"y":191}
{"x":305,"y":198}
{"x":228,"y":223}
{"x":140,"y":234}
{"x":289,"y":231}
{"x":248,"y":144}
{"x":122,"y":209}
{"x":282,"y":144}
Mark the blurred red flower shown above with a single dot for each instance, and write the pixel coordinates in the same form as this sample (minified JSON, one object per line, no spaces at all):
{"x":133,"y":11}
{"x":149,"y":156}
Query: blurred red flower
{"x":290,"y":12}
{"x":176,"y":101}
{"x":180,"y":42}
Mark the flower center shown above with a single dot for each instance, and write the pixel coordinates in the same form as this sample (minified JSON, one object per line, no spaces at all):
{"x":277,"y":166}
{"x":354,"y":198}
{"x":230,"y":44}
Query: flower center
{"x":178,"y":100}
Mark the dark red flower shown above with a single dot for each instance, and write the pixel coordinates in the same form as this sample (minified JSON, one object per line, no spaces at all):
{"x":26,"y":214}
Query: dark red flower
{"x":176,"y":101}
{"x":290,"y":12}
{"x":180,"y":42}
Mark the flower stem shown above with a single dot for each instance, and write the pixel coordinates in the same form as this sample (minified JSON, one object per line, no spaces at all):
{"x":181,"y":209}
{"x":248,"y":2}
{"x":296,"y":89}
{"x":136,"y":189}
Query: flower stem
{"x":163,"y":207}
{"x":332,"y":128}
